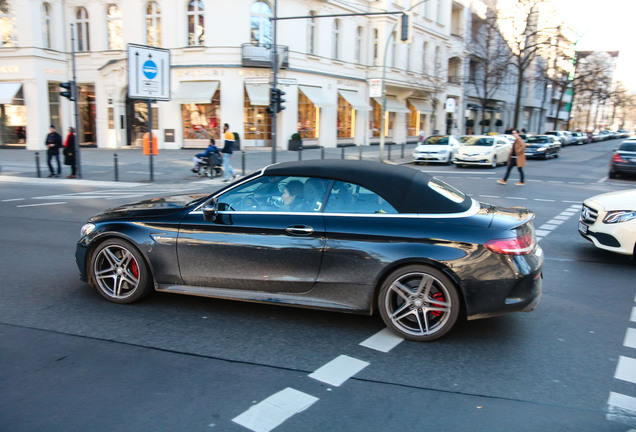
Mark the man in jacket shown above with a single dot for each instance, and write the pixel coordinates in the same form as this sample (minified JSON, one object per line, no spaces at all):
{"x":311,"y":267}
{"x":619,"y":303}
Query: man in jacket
{"x":228,"y":148}
{"x":53,"y":143}
{"x":517,"y":158}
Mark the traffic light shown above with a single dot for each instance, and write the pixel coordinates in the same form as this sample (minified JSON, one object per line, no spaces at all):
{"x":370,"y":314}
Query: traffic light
{"x":69,"y":90}
{"x":405,"y":28}
{"x":279,"y":100}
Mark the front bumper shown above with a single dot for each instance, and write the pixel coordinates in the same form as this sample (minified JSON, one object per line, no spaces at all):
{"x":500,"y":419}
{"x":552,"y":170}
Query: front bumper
{"x":619,"y":238}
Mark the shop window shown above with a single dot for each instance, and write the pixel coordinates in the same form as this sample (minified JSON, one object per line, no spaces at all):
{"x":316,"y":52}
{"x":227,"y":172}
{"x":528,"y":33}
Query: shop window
{"x":54,"y":105}
{"x":346,"y":118}
{"x":153,"y":24}
{"x":88,"y":113}
{"x":201,"y":121}
{"x":413,"y":126}
{"x":257,"y":122}
{"x":376,"y":119}
{"x":308,"y":117}
{"x":196,"y":29}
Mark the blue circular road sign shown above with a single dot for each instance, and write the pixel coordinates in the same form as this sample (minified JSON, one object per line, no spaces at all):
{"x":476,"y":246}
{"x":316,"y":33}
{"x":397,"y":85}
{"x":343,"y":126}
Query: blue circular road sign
{"x":150,"y":69}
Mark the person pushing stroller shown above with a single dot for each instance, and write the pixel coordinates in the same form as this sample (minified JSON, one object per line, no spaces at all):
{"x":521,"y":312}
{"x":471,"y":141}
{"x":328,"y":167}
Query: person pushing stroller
{"x":209,"y":158}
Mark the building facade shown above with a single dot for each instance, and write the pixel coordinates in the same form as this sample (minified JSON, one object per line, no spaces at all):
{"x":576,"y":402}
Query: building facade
{"x":220,"y":70}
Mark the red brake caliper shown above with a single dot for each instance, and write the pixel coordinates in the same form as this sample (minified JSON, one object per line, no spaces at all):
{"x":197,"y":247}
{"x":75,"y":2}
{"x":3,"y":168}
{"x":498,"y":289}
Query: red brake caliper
{"x":438,"y":296}
{"x":134,"y":269}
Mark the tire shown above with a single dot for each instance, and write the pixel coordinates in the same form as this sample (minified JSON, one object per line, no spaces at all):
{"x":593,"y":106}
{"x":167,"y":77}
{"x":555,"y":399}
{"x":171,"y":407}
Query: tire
{"x":419,"y":303}
{"x":613,"y":175}
{"x":493,"y":164}
{"x":119,"y":272}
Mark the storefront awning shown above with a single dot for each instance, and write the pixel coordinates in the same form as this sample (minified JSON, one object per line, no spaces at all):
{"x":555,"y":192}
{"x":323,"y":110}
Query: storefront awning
{"x":393,"y":104}
{"x":258,"y":93}
{"x":8,"y":92}
{"x":316,"y":96}
{"x":421,"y":105}
{"x":195,"y":91}
{"x":356,"y":101}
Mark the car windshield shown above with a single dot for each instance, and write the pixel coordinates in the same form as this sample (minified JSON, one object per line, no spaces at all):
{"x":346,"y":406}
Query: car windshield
{"x":628,"y":146}
{"x":480,"y":142}
{"x":537,"y":140}
{"x":436,"y":140}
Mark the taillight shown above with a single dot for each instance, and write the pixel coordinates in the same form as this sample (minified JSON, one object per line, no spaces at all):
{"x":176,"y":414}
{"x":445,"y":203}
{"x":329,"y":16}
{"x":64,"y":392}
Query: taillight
{"x":523,"y":244}
{"x":618,"y":158}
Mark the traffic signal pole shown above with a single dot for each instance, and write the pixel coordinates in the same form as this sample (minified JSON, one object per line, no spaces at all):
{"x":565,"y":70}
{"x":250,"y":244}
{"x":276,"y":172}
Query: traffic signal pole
{"x":75,"y":94}
{"x":275,"y":81}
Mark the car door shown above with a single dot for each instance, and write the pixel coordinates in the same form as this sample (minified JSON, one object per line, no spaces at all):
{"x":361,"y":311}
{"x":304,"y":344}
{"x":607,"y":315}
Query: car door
{"x":253,"y":242}
{"x":502,"y":149}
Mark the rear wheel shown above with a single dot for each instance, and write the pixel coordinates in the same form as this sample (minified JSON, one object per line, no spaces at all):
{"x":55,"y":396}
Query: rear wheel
{"x":119,"y":272}
{"x":419,"y":303}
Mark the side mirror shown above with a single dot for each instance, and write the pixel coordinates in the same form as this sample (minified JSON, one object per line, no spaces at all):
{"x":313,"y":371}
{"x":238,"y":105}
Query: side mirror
{"x":210,"y":210}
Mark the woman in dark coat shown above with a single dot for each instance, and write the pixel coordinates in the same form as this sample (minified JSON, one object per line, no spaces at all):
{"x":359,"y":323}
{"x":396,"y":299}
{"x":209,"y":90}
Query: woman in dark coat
{"x":69,"y":152}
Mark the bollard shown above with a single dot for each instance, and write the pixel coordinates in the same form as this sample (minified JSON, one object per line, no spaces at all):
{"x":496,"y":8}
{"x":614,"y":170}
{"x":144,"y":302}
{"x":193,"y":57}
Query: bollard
{"x":300,"y":153}
{"x":402,"y":156}
{"x":37,"y":164}
{"x":322,"y":152}
{"x":243,"y":161}
{"x":342,"y":153}
{"x":360,"y":155}
{"x":388,"y":152}
{"x":116,"y":167}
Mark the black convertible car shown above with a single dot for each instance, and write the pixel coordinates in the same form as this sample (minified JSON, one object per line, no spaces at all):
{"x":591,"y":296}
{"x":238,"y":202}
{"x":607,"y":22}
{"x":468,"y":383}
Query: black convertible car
{"x":350,"y":236}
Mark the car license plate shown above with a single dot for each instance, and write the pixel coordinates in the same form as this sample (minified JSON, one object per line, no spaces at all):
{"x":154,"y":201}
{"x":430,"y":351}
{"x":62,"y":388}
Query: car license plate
{"x":583,"y":228}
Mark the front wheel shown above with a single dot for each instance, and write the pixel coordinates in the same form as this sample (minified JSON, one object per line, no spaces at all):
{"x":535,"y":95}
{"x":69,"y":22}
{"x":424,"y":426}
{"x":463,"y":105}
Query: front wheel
{"x":419,"y":303}
{"x":119,"y":272}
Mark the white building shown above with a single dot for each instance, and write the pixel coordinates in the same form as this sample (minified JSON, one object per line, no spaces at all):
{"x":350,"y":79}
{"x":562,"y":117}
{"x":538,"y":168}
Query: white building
{"x":221,"y":70}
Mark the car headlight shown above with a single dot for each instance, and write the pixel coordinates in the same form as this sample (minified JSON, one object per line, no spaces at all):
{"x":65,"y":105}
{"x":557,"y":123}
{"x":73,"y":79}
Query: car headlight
{"x":87,"y":229}
{"x":541,"y":149}
{"x":619,"y":216}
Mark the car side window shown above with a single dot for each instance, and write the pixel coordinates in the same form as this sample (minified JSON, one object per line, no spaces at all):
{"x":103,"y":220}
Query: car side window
{"x":352,"y":198}
{"x":276,"y":194}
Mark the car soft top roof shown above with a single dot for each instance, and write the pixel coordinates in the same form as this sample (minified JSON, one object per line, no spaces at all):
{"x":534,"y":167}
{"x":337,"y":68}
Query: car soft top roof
{"x":406,"y":189}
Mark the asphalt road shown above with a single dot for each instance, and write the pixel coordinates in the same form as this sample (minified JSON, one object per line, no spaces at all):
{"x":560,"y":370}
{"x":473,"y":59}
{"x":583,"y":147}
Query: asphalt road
{"x":71,"y":361}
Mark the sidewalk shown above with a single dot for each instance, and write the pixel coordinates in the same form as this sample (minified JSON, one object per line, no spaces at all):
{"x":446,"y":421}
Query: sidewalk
{"x":173,"y":166}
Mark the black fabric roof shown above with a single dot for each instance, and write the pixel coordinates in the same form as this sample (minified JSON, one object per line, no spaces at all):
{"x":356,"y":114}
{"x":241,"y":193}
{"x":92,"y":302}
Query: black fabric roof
{"x":406,"y":189}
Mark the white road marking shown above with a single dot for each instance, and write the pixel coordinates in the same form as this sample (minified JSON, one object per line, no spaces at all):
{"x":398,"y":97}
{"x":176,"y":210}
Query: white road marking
{"x":557,"y":221}
{"x":338,"y":370}
{"x":41,"y":204}
{"x":544,"y":200}
{"x":633,"y":316}
{"x":13,"y":199}
{"x":273,"y":411}
{"x":542,"y":233}
{"x":630,"y":338}
{"x":384,"y":340}
{"x":626,"y":369}
{"x":622,"y":401}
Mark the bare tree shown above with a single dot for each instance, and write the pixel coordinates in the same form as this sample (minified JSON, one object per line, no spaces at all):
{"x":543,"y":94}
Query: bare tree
{"x":591,"y":85}
{"x":489,"y":59}
{"x":620,"y":100}
{"x":525,"y":39}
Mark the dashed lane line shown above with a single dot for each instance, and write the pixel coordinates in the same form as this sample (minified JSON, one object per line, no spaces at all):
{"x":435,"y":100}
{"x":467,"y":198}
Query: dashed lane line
{"x":338,"y":370}
{"x":41,"y":204}
{"x":384,"y":341}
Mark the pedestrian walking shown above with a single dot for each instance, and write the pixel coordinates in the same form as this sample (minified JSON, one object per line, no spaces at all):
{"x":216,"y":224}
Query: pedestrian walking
{"x":228,"y":149}
{"x":53,"y":143}
{"x":517,"y":158}
{"x":69,"y":153}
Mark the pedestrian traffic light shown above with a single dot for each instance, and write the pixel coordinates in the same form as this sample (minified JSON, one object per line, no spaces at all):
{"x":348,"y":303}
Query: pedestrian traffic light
{"x":69,"y":90}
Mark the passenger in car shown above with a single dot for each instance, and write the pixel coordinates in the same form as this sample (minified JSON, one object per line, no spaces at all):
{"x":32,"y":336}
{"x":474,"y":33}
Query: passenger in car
{"x":293,"y":198}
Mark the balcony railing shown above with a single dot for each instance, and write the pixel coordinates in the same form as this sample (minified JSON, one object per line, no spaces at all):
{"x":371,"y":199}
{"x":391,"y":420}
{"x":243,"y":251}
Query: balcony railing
{"x":261,"y":55}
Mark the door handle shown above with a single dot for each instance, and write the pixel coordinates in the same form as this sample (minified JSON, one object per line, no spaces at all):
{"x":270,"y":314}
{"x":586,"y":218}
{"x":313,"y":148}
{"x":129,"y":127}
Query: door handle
{"x":299,"y":230}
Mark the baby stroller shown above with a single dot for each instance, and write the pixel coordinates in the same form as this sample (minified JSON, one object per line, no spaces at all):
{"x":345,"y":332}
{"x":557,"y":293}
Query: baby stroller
{"x":212,"y":165}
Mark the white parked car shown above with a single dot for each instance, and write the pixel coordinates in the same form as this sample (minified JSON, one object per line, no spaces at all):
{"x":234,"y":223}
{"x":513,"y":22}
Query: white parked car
{"x":486,"y":150}
{"x":436,"y":148}
{"x":609,"y":221}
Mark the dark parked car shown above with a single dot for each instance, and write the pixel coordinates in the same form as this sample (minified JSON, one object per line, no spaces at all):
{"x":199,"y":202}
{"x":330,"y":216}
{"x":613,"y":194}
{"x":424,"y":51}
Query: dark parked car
{"x":624,"y":159}
{"x":543,"y":146}
{"x":349,"y":236}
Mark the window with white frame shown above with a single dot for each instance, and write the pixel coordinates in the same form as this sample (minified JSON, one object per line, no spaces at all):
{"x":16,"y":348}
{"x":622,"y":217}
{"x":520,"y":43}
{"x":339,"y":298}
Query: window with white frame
{"x":81,"y":22}
{"x":425,"y":59}
{"x":46,"y":25}
{"x":7,"y":25}
{"x":336,"y":40}
{"x":358,"y":47}
{"x":311,"y":34}
{"x":114,"y":27}
{"x":376,"y":46}
{"x":196,"y":29}
{"x":260,"y":24}
{"x":153,"y":24}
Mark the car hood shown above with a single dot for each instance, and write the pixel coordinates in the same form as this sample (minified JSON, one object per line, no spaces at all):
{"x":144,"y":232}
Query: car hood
{"x":432,"y":147}
{"x":538,"y":145}
{"x":475,"y":149}
{"x":621,"y":200}
{"x":150,"y":207}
